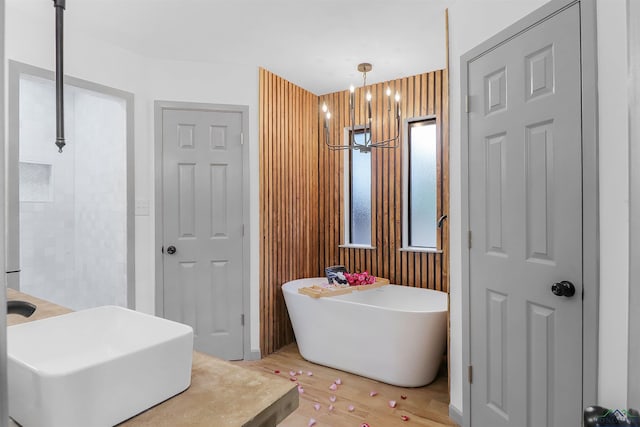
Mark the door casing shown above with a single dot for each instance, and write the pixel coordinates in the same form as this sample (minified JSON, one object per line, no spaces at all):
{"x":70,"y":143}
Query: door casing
{"x":159,"y":107}
{"x":590,"y":216}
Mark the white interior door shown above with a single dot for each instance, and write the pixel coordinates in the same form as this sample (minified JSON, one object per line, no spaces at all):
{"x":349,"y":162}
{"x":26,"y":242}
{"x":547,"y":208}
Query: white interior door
{"x":202,"y":226}
{"x":525,"y":210}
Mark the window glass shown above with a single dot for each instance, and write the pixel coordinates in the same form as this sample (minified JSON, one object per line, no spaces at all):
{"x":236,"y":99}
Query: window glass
{"x":360,"y":194}
{"x":422,"y":185}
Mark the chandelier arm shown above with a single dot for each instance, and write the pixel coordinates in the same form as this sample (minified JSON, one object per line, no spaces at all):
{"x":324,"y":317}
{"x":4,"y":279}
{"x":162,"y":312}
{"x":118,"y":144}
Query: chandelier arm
{"x":382,"y":144}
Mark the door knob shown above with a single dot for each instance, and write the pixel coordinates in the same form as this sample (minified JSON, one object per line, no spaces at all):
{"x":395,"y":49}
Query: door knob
{"x":171,"y":250}
{"x":563,"y":289}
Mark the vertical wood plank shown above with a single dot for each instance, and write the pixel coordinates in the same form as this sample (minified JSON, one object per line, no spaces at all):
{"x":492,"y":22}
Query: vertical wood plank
{"x":301,"y":192}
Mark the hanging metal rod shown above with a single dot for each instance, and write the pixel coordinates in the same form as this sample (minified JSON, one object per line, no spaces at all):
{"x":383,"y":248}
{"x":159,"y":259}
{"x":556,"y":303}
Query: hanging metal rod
{"x":59,"y":5}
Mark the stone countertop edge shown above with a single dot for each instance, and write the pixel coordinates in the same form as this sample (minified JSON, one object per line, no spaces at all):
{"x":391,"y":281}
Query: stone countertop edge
{"x":221,"y":393}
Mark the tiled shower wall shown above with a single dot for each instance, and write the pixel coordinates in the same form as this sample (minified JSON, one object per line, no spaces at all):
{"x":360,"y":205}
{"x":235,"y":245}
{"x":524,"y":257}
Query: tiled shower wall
{"x":73,"y":236}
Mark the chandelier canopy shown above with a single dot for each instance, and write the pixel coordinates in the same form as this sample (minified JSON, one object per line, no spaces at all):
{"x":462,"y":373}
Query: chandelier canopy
{"x":369,"y":141}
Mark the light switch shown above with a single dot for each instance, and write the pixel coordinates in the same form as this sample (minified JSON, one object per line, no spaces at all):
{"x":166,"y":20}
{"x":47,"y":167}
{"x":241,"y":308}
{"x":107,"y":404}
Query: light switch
{"x":142,"y":207}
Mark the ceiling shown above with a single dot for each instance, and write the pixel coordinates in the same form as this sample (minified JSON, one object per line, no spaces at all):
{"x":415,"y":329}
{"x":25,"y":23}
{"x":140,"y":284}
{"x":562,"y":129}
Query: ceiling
{"x":316,"y":44}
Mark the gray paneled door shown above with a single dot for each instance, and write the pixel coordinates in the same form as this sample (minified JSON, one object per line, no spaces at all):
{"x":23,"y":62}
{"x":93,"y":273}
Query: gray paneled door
{"x":202,"y":226}
{"x":525,"y":210}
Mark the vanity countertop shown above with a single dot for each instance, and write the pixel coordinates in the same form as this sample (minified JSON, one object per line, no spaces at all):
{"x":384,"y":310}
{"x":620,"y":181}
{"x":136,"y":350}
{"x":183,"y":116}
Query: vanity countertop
{"x":221,"y":394}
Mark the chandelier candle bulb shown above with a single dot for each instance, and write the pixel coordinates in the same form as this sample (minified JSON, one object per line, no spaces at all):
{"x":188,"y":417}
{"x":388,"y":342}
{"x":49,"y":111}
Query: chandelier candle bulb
{"x":352,"y":96}
{"x":369,"y":105}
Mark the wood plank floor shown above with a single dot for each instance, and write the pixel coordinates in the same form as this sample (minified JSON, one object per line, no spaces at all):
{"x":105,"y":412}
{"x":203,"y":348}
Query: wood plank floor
{"x":425,"y":406}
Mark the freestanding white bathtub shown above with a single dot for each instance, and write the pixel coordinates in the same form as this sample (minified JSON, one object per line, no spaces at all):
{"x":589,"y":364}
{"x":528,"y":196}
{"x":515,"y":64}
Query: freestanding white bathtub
{"x":394,"y":334}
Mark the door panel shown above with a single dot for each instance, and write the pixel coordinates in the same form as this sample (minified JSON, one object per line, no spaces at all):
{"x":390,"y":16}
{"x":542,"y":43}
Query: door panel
{"x":525,"y":210}
{"x":202,"y":214}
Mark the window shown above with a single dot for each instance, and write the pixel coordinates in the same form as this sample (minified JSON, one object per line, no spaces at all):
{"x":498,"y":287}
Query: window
{"x":359,"y":190}
{"x":421,"y":189}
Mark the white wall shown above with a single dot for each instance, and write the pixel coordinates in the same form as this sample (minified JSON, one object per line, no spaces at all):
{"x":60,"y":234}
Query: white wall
{"x":29,"y":40}
{"x":471,"y":22}
{"x":4,"y":411}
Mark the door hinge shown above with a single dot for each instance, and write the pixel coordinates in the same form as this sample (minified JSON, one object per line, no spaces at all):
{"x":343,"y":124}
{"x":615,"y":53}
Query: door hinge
{"x":466,"y":104}
{"x":241,"y":138}
{"x":469,"y":239}
{"x":162,"y":250}
{"x":470,"y":374}
{"x":242,"y":320}
{"x":242,"y":230}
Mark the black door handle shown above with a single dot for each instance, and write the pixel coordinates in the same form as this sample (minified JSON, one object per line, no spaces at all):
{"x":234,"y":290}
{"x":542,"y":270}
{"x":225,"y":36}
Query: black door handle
{"x":563,"y":289}
{"x":171,"y":250}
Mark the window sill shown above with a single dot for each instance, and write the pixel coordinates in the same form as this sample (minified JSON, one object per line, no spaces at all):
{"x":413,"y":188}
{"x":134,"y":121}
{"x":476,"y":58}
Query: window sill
{"x":351,"y":246}
{"x":424,"y":250}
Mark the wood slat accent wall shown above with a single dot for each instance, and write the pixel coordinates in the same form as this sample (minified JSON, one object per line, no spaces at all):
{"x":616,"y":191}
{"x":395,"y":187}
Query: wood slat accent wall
{"x":302,"y":195}
{"x":288,"y":119}
{"x":421,"y":95}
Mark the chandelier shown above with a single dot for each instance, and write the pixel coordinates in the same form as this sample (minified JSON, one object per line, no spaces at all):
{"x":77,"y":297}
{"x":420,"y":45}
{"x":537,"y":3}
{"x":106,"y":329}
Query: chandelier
{"x":368,"y":142}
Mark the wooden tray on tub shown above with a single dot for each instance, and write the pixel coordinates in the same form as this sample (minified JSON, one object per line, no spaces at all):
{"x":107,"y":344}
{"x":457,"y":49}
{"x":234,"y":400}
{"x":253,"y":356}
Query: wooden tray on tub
{"x":318,"y":291}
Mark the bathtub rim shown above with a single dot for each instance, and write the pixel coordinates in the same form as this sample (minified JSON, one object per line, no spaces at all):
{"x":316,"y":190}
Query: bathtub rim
{"x":293,"y":290}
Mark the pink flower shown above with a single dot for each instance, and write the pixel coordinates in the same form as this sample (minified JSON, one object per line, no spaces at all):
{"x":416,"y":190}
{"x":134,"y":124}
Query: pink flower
{"x":316,"y":406}
{"x":311,"y":423}
{"x":392,"y":404}
{"x":332,"y":398}
{"x":330,"y":408}
{"x":373,"y":393}
{"x":404,"y":418}
{"x":338,"y":381}
{"x":351,"y":408}
{"x":333,"y":387}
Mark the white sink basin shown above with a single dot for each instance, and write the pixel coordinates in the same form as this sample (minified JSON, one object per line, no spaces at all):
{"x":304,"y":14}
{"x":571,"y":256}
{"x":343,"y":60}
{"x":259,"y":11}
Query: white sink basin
{"x":95,"y":367}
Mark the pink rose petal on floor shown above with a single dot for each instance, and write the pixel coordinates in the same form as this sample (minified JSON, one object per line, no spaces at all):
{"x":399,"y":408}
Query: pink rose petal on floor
{"x":404,"y":418}
{"x":276,"y":372}
{"x":293,"y":379}
{"x":332,"y":398}
{"x":311,"y":422}
{"x":392,"y":404}
{"x":351,"y":408}
{"x":373,"y":393}
{"x":292,"y":373}
{"x":333,"y":387}
{"x":299,"y":372}
{"x":403,"y":397}
{"x":316,"y":406}
{"x":300,"y":390}
{"x":338,"y":381}
{"x":330,"y":408}
{"x":364,"y":425}
{"x":309,"y":373}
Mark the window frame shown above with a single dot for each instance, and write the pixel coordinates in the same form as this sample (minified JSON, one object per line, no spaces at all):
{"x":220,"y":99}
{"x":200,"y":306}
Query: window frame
{"x":406,"y":185}
{"x":346,"y":237}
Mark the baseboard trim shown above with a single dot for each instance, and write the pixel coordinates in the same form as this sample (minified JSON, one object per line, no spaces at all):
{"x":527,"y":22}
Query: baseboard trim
{"x":455,"y":415}
{"x":253,"y":355}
